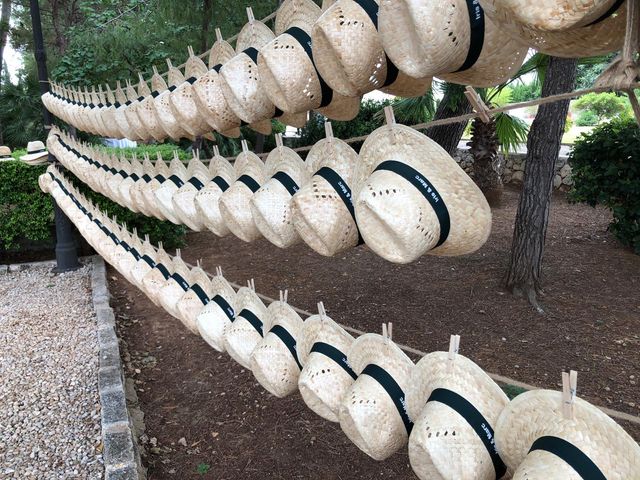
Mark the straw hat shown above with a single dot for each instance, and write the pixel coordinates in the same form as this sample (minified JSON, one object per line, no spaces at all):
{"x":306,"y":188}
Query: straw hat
{"x":556,"y":15}
{"x":234,"y":203}
{"x":182,"y":100}
{"x":547,"y":435}
{"x":175,"y":286}
{"x":271,"y":205}
{"x":161,"y":94}
{"x":413,"y":198}
{"x":194,"y":299}
{"x":218,"y":312}
{"x":326,"y":375}
{"x":133,"y":248}
{"x":373,"y":412}
{"x":109,"y":115}
{"x":161,"y":173}
{"x":323,"y":213}
{"x":603,"y":35}
{"x":155,"y":279}
{"x":248,"y":327}
{"x":208,"y":95}
{"x":164,"y":193}
{"x":222,"y":176}
{"x":135,"y":175}
{"x":145,"y":264}
{"x":453,"y":40}
{"x":287,"y":69}
{"x":240,"y":81}
{"x":454,"y":404}
{"x":131,"y":113}
{"x":184,"y":205}
{"x":5,"y":154}
{"x":274,"y":361}
{"x":349,"y":55}
{"x":36,"y":153}
{"x":119,"y":114}
{"x":136,"y":191}
{"x":123,"y":169}
{"x":146,"y":111}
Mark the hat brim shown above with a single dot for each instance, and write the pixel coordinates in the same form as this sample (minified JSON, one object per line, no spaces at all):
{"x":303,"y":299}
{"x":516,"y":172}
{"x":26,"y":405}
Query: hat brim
{"x":212,"y":320}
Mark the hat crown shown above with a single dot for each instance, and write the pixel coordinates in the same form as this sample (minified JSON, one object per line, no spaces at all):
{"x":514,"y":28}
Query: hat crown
{"x":296,"y":13}
{"x":35,"y":146}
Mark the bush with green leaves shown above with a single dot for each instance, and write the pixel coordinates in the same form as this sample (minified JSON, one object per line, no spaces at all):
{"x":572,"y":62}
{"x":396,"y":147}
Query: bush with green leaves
{"x":586,"y":118}
{"x":603,"y":105}
{"x":606,"y":171}
{"x":26,"y":214}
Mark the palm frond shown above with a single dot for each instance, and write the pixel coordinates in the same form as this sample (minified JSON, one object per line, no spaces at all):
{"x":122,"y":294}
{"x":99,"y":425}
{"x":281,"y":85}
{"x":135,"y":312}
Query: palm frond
{"x":512,"y":132}
{"x":414,"y":110}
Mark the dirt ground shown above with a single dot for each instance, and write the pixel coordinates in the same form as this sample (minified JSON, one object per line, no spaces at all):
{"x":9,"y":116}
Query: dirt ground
{"x":235,"y":430}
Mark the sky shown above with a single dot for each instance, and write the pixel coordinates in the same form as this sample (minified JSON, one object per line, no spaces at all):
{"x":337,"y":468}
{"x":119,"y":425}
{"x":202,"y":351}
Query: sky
{"x":13,"y":60}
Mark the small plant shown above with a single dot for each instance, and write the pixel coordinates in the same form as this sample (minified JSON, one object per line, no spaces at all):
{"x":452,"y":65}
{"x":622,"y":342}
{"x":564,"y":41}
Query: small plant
{"x":606,"y":171}
{"x":203,"y":468}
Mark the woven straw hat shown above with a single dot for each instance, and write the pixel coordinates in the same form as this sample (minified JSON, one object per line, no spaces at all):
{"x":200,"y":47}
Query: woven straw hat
{"x":119,"y":116}
{"x":453,"y":40}
{"x":184,"y":200}
{"x":131,"y":112}
{"x":222,"y":176}
{"x":109,"y":115}
{"x":122,"y":250}
{"x":195,"y":298}
{"x":135,"y":175}
{"x":274,"y":361}
{"x":240,"y":81}
{"x":145,"y":264}
{"x":373,"y":412}
{"x":123,"y":169}
{"x":175,"y":286}
{"x":323,"y":213}
{"x":235,"y":203}
{"x":349,"y":55}
{"x":413,"y":198}
{"x":136,"y":190}
{"x":161,"y":94}
{"x":146,"y":111}
{"x":182,"y":100}
{"x":36,"y":153}
{"x":248,"y":327}
{"x":162,"y":172}
{"x":271,"y":205}
{"x":452,"y":401}
{"x":326,"y":375}
{"x":603,"y":35}
{"x":208,"y":94}
{"x":164,"y":193}
{"x":5,"y":154}
{"x":547,"y":435}
{"x":158,"y":275}
{"x":287,"y":69}
{"x":555,"y":15}
{"x":132,"y":249}
{"x":218,"y":313}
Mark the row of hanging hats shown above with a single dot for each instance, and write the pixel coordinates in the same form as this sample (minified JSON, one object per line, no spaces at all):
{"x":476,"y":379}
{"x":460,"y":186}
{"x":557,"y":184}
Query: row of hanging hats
{"x":403,"y":195}
{"x":456,"y":421}
{"x":327,"y":61}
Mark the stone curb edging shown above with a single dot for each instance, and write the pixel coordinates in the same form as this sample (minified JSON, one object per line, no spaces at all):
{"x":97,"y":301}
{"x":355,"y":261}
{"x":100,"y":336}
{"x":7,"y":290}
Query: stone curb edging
{"x":120,"y":453}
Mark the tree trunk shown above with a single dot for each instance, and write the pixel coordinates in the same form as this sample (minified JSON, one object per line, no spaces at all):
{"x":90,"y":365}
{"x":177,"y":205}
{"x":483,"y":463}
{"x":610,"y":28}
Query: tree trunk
{"x":448,"y":136}
{"x":259,"y":146}
{"x":206,"y":21}
{"x":5,"y":18}
{"x":543,"y":147}
{"x":484,"y":147}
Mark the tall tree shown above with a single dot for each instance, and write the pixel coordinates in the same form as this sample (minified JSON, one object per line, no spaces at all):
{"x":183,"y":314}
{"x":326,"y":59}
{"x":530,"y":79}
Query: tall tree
{"x":453,"y":104}
{"x":543,"y":146}
{"x":5,"y":19}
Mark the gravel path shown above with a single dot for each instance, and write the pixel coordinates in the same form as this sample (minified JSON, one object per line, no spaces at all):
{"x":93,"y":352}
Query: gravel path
{"x":49,"y":404}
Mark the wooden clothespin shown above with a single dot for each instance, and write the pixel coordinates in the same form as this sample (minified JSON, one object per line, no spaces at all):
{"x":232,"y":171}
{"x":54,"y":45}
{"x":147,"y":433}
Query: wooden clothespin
{"x":218,"y":35}
{"x":328,"y":130}
{"x":178,"y":253}
{"x":250,"y":15}
{"x":321,"y":311}
{"x":219,"y":271}
{"x":389,"y":116}
{"x":279,"y":143}
{"x":454,"y":347}
{"x":387,"y":332}
{"x":190,"y":51}
{"x":478,"y":105}
{"x":569,"y":392}
{"x":216,"y":151}
{"x":252,"y":285}
{"x":245,"y":146}
{"x":284,"y":296}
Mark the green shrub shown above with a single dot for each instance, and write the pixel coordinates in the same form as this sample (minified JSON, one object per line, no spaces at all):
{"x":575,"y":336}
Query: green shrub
{"x":26,"y":214}
{"x":587,"y":118}
{"x":524,"y":92}
{"x":602,"y":105}
{"x":606,"y":171}
{"x":568,"y":124}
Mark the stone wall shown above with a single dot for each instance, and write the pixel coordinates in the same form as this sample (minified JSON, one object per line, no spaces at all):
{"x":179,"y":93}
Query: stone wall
{"x":513,"y":168}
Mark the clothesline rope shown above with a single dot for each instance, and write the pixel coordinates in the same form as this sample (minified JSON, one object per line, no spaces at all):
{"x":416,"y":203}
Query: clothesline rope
{"x":490,"y":112}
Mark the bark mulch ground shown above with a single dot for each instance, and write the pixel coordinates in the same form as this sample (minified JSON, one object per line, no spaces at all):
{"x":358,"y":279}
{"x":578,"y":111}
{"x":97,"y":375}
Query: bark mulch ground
{"x":233,"y":429}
